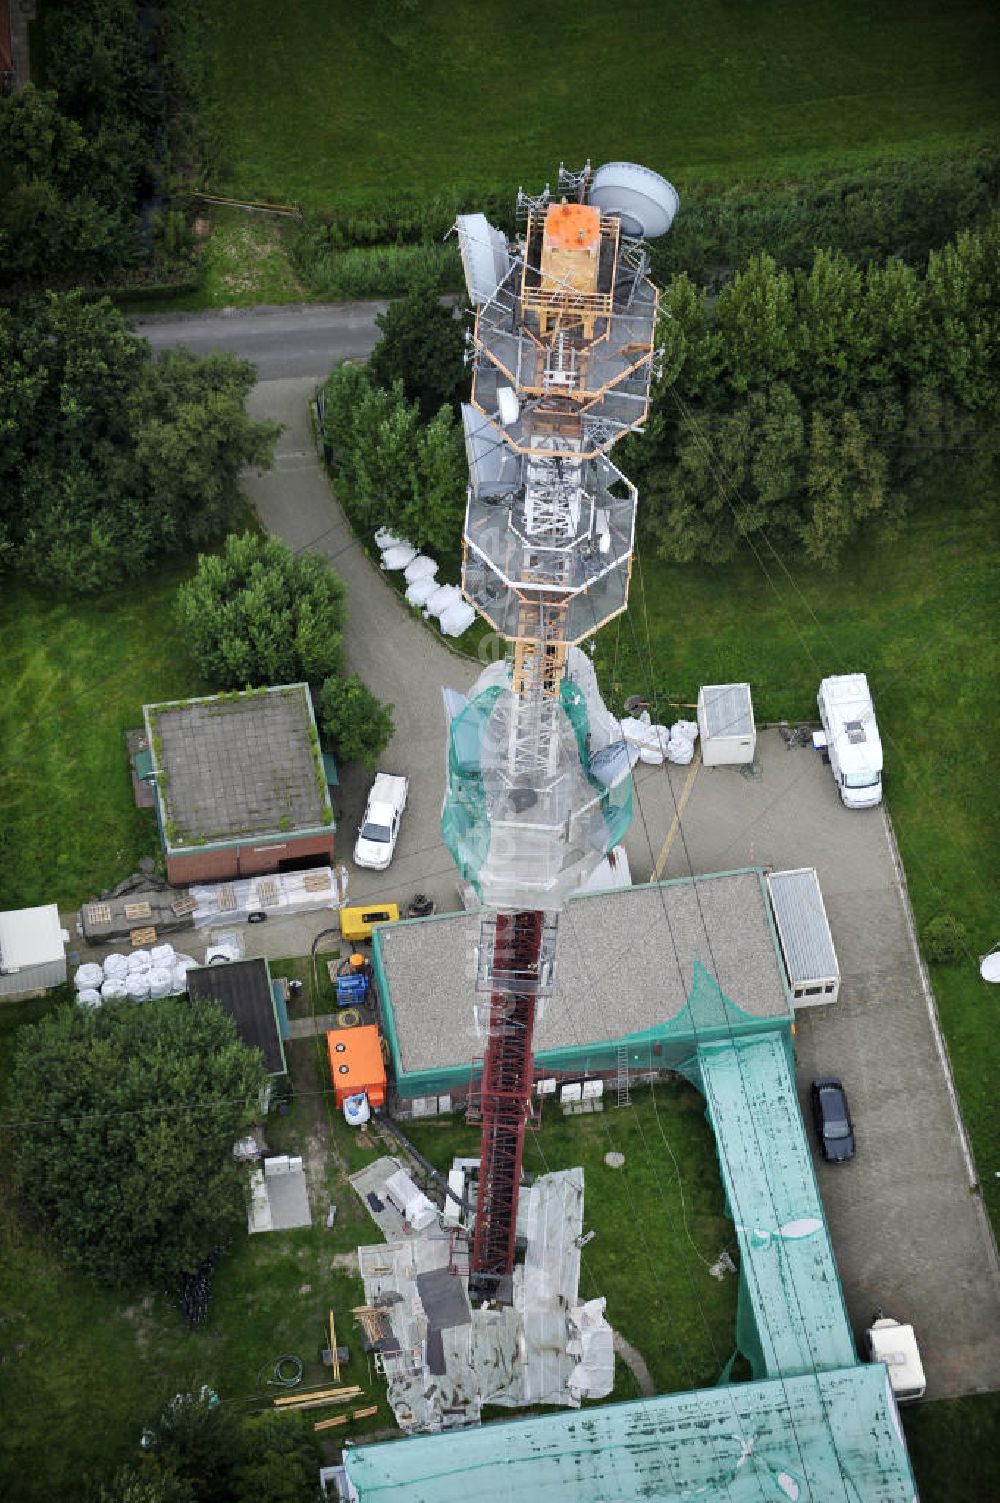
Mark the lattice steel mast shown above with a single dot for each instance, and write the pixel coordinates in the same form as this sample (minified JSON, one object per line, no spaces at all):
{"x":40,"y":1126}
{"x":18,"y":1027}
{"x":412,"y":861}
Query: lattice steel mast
{"x":562,"y":355}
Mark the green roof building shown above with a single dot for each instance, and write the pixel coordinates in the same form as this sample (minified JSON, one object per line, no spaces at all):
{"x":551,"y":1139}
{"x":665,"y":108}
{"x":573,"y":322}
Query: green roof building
{"x":832,"y":1438}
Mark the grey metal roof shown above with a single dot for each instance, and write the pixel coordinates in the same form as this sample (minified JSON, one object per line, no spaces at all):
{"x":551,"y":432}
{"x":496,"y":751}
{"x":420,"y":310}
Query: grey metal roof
{"x":238,"y":767}
{"x":624,"y":963}
{"x":802,"y":924}
{"x":728,"y":709}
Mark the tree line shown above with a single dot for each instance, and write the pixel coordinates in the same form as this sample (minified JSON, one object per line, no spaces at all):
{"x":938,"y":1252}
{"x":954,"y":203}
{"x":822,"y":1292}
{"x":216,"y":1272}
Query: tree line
{"x":818,"y":401}
{"x":78,"y":156}
{"x":903,"y":207}
{"x":109,"y":460}
{"x":393,"y":438}
{"x":813,"y":401}
{"x":87,"y":153}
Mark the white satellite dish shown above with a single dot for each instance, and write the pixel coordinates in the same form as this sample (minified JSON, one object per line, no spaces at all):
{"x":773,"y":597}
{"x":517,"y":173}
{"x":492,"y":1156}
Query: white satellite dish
{"x":643,"y":200}
{"x":509,"y":406}
{"x":989,"y":966}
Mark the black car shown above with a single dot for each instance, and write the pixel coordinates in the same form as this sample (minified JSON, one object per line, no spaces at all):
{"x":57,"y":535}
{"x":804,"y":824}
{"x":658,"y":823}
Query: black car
{"x":833,"y":1119}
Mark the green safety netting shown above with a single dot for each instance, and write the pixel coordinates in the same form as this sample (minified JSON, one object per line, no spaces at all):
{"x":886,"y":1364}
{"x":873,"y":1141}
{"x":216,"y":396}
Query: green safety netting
{"x":518,"y":841}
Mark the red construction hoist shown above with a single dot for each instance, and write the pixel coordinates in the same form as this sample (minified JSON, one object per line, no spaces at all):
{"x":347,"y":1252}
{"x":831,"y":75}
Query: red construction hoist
{"x":516,"y":951}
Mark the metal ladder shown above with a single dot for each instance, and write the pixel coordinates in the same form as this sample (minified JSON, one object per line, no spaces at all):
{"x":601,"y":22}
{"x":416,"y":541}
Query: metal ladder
{"x":622,"y":1081}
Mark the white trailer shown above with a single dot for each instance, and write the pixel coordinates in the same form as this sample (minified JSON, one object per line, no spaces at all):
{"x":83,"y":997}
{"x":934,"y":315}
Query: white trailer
{"x":725,"y":725}
{"x":852,"y":739}
{"x":804,"y":936}
{"x":889,"y":1341}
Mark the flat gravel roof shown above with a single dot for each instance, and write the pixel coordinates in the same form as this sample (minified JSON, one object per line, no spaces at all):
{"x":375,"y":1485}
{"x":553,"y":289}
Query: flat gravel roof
{"x":624,"y":962}
{"x":239,"y":767}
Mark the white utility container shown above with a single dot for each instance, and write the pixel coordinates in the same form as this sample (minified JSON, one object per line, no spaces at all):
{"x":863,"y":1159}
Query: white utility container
{"x":411,"y":1202}
{"x":32,"y":951}
{"x":725,"y":724}
{"x":804,"y":936}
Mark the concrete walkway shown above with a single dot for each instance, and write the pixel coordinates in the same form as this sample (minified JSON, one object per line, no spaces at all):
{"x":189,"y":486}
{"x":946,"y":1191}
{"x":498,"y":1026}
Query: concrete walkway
{"x":398,"y":658}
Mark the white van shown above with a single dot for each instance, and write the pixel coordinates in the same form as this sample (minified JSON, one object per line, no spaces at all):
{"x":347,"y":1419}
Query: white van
{"x":852,"y":738}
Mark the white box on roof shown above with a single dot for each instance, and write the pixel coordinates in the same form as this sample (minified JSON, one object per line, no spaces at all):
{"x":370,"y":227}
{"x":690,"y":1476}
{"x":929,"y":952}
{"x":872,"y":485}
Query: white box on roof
{"x":804,"y":936}
{"x":725,"y":724}
{"x":411,"y":1202}
{"x":32,"y":950}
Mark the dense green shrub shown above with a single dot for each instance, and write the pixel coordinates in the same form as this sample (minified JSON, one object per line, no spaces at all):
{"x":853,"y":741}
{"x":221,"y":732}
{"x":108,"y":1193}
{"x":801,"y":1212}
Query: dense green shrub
{"x":77,"y":158}
{"x":946,"y":941}
{"x":903,"y":208}
{"x":109,"y":460}
{"x":356,"y":724}
{"x":88,"y":159}
{"x":377,"y":271}
{"x":423,"y":347}
{"x":391,"y":469}
{"x":133,"y":1186}
{"x":258,"y":614}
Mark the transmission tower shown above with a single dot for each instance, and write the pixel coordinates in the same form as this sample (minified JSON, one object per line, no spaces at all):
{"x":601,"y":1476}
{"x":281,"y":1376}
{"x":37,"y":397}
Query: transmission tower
{"x":539,"y":788}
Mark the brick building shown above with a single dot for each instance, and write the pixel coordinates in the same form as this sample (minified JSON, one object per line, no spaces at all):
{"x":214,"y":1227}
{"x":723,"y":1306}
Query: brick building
{"x":240,"y":784}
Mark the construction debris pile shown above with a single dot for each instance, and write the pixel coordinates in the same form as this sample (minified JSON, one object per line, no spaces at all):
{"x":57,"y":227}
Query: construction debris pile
{"x":442,"y":1357}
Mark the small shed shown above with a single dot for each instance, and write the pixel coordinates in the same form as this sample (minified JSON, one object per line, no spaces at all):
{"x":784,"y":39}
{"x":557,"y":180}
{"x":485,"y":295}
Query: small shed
{"x":725,"y":724}
{"x":32,"y":951}
{"x":804,"y":936}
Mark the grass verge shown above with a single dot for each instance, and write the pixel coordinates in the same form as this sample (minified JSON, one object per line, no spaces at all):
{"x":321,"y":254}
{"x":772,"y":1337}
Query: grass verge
{"x":243,"y":259}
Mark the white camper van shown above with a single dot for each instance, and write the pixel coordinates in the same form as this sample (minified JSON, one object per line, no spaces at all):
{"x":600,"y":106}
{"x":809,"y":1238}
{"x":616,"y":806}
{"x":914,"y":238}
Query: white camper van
{"x":895,"y":1344}
{"x":852,"y":739}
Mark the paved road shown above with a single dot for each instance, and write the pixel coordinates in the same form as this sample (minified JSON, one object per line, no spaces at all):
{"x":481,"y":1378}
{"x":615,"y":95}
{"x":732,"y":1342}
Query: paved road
{"x":298,"y":339}
{"x":400,"y":660}
{"x":295,"y":347}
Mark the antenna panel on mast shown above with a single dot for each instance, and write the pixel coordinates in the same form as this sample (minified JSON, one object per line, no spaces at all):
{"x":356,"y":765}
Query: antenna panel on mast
{"x":494,"y":468}
{"x":485,"y":257}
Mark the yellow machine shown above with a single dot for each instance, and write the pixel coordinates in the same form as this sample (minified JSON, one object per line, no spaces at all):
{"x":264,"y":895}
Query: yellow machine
{"x":357,"y":923}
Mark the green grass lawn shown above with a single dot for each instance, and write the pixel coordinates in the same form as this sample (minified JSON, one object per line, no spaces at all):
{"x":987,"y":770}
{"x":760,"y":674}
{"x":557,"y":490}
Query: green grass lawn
{"x":77,"y":673}
{"x":918,"y":614}
{"x":348,"y":105}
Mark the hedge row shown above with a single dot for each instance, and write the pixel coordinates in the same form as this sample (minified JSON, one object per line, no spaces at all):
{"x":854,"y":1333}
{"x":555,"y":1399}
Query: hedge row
{"x":903,"y":208}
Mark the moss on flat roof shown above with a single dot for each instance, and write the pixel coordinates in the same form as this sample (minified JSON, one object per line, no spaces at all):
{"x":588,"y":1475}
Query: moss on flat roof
{"x":237,"y":767}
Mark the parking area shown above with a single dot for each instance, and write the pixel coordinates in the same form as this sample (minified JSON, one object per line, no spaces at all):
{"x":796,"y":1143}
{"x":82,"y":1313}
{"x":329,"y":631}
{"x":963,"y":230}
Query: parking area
{"x":908,"y":1226}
